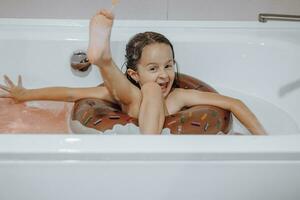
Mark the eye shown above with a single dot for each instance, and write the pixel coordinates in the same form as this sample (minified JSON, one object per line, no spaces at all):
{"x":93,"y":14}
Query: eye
{"x":169,"y":66}
{"x":153,"y":68}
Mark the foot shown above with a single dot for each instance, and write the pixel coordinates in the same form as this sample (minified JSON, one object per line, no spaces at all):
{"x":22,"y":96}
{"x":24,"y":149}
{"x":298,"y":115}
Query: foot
{"x":99,"y":41}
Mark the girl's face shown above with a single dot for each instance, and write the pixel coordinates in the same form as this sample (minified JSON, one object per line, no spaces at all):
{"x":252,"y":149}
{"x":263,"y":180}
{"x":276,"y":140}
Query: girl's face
{"x":156,"y":65}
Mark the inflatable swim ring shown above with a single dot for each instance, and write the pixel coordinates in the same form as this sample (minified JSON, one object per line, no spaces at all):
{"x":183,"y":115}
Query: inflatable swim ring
{"x":201,"y":119}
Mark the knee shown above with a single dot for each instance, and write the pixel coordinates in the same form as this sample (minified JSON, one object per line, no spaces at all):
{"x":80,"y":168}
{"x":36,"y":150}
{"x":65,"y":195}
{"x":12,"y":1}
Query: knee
{"x":151,"y":89}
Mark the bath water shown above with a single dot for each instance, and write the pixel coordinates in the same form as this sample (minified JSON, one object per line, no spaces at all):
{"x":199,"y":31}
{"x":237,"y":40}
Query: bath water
{"x":34,"y":117}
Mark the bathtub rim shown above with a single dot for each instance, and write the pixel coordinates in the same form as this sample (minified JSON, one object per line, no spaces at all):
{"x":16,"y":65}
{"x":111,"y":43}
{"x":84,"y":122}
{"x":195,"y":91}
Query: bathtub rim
{"x":77,"y":148}
{"x":118,"y":23}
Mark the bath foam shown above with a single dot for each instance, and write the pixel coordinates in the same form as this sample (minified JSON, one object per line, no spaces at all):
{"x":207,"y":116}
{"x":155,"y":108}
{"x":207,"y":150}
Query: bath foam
{"x":131,"y":129}
{"x":128,"y":129}
{"x":52,"y":106}
{"x":34,"y":117}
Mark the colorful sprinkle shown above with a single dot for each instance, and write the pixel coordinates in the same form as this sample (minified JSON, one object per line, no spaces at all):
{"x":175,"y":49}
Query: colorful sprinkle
{"x":172,"y":122}
{"x":218,"y":125}
{"x":182,"y":119}
{"x":97,"y":122}
{"x":84,"y":114}
{"x":196,"y":124}
{"x":114,"y":117}
{"x":204,"y":116}
{"x":87,"y":120}
{"x":214,"y":113}
{"x":206,"y":126}
{"x":179,"y":129}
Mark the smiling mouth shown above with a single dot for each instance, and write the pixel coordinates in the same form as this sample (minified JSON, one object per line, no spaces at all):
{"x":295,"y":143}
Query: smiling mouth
{"x":164,"y":86}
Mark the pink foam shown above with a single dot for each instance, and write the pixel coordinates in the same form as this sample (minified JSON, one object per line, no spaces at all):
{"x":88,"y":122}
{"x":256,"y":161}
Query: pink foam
{"x":39,"y":117}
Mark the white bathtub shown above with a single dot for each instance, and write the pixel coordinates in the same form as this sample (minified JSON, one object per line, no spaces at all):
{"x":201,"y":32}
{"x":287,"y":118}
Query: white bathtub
{"x":258,"y":63}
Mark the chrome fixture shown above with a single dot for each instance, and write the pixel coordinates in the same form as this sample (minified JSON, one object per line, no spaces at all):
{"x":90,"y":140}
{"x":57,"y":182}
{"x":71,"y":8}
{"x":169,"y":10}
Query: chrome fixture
{"x":264,"y":17}
{"x":79,"y":61}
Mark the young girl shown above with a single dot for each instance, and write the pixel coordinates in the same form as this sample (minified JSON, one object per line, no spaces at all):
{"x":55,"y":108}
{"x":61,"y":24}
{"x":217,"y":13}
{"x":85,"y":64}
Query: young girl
{"x":147,"y":91}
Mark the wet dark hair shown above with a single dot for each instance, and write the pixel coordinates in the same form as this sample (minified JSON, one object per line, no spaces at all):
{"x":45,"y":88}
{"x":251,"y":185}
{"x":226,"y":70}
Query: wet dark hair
{"x":134,"y":49}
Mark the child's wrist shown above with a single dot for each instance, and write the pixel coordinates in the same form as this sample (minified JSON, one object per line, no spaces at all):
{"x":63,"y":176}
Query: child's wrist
{"x":23,"y":95}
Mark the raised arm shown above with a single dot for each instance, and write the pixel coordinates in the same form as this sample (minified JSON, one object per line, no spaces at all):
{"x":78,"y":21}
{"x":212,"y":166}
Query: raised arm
{"x":237,"y":107}
{"x":19,"y":93}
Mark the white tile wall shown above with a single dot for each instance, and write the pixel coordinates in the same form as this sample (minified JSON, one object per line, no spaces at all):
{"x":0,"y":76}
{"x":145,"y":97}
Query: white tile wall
{"x":142,"y":9}
{"x":149,"y":9}
{"x":229,"y":9}
{"x":82,"y":9}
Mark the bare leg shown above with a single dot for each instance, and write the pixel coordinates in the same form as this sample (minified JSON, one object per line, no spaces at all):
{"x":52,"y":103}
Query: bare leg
{"x":99,"y":53}
{"x":151,"y":114}
{"x":100,"y":30}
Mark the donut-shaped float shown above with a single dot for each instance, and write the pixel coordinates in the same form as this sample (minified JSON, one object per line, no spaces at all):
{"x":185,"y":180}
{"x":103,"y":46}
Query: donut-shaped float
{"x":200,"y":119}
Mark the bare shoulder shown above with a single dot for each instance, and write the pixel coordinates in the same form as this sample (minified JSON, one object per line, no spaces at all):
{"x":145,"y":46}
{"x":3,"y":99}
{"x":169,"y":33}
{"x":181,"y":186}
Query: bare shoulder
{"x":176,"y":93}
{"x":182,"y":96}
{"x":181,"y":93}
{"x":174,"y":101}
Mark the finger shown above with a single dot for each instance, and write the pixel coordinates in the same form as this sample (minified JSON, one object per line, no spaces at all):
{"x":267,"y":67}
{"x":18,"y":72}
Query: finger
{"x":3,"y":87}
{"x":20,"y":84}
{"x":8,"y":81}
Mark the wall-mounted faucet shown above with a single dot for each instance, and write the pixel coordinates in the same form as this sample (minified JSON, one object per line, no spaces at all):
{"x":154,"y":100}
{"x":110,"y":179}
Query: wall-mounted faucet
{"x":79,"y":61}
{"x":264,"y":17}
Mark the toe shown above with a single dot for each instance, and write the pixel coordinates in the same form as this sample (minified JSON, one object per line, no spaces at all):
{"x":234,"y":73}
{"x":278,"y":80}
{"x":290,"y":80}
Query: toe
{"x":108,"y":14}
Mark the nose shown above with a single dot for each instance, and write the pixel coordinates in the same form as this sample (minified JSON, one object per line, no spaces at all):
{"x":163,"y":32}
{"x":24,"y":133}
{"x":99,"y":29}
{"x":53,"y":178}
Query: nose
{"x":163,"y":73}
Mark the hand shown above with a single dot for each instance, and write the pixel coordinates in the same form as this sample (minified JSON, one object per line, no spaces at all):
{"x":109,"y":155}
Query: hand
{"x":13,"y":91}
